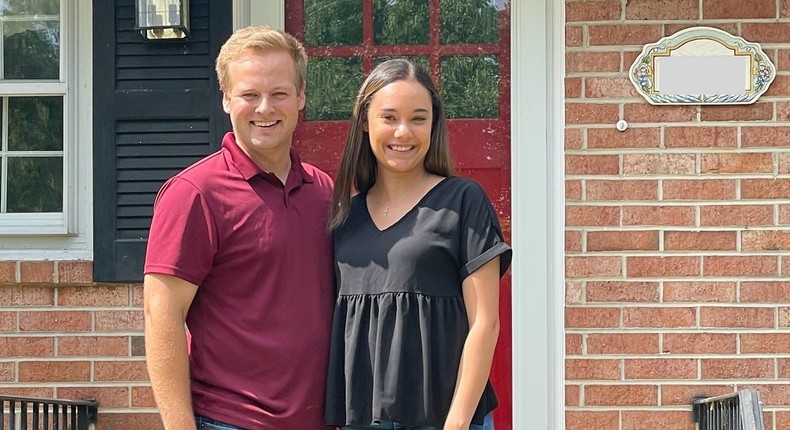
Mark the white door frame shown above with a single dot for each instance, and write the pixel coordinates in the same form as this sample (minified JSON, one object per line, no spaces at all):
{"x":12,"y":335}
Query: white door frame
{"x":537,"y":201}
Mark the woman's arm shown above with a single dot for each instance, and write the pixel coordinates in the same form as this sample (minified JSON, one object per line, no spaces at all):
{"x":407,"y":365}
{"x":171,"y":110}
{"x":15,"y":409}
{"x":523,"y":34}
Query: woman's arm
{"x":481,"y":296}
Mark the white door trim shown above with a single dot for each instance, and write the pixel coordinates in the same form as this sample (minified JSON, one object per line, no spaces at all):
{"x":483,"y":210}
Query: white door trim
{"x":537,"y":211}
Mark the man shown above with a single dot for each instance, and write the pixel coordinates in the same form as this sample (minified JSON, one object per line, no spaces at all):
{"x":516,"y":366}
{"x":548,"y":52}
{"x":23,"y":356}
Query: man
{"x":239,"y":251}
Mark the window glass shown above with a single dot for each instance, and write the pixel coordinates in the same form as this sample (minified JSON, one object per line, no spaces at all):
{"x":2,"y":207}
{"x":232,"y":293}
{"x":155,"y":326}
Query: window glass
{"x":31,"y":44}
{"x":470,"y":86}
{"x":401,"y":22}
{"x":333,"y":83}
{"x":469,"y":21}
{"x":29,"y":7}
{"x":35,"y":123}
{"x":333,"y":22}
{"x":35,"y":184}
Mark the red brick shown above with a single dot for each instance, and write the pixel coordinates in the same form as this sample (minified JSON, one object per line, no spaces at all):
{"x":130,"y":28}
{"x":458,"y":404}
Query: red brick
{"x":137,"y":295}
{"x":785,"y":266}
{"x":740,"y":266}
{"x":620,"y":395}
{"x":784,"y":9}
{"x":662,"y":267}
{"x":592,"y":216}
{"x":7,"y":372}
{"x":753,"y":112}
{"x":765,"y":292}
{"x":700,"y":137}
{"x":661,"y":368}
{"x":737,"y":163}
{"x":784,"y":317}
{"x":27,"y":295}
{"x":659,"y":164}
{"x":779,"y":87}
{"x":592,"y":164}
{"x":622,"y":240}
{"x":143,"y":397}
{"x":574,"y":35}
{"x":738,"y":9}
{"x":737,"y":317}
{"x":609,"y":87}
{"x":783,"y":368}
{"x":774,"y":394}
{"x":661,"y":419}
{"x":596,"y":11}
{"x":765,"y":343}
{"x":641,"y":112}
{"x":573,"y":90}
{"x":622,"y":343}
{"x":741,"y":215}
{"x":592,"y":419}
{"x":622,"y":292}
{"x":629,"y":58}
{"x":8,"y":271}
{"x":135,"y":420}
{"x":93,"y":346}
{"x":741,"y":368}
{"x":574,"y":138}
{"x":633,"y":137}
{"x":573,"y":293}
{"x":37,"y":271}
{"x":108,"y":397}
{"x":617,"y":189}
{"x":659,"y":317}
{"x":661,"y":10}
{"x":770,"y":136}
{"x":782,"y":417}
{"x":592,"y":369}
{"x":591,"y":113}
{"x":75,"y":272}
{"x":54,"y":371}
{"x":573,"y":344}
{"x":659,"y":215}
{"x":681,"y":395}
{"x":699,"y":292}
{"x":629,"y":34}
{"x":699,"y":189}
{"x":14,"y":391}
{"x":591,"y":267}
{"x":765,"y":240}
{"x":700,"y":240}
{"x":121,"y":371}
{"x":784,"y":54}
{"x":784,"y":162}
{"x":8,"y":321}
{"x":672,"y":28}
{"x":783,"y":111}
{"x":109,"y":321}
{"x":699,"y":343}
{"x":784,"y":214}
{"x":98,"y":295}
{"x":54,"y":321}
{"x":766,"y":32}
{"x":597,"y":61}
{"x":572,"y":395}
{"x":27,"y":346}
{"x":765,"y":189}
{"x":591,"y":317}
{"x":573,"y":189}
{"x":573,"y":241}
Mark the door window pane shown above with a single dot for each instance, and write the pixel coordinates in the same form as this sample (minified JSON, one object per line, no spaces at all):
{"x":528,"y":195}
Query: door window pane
{"x":35,"y":123}
{"x":333,"y":83}
{"x":401,"y":22}
{"x":333,"y":22}
{"x":469,"y":21}
{"x":470,"y":86}
{"x":35,"y":184}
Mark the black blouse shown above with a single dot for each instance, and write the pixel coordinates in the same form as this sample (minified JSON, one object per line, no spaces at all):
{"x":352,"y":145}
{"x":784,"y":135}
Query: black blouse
{"x":400,"y":322}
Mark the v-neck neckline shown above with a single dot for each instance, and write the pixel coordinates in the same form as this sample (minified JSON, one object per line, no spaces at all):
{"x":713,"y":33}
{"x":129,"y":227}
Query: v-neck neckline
{"x":405,"y":215}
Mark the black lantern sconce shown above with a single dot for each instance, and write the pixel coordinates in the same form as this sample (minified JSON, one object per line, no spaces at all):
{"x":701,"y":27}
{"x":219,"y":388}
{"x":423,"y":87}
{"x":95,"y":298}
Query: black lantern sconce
{"x":162,"y":19}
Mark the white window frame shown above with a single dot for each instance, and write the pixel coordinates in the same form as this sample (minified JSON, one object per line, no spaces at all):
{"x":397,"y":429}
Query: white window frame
{"x":65,"y":235}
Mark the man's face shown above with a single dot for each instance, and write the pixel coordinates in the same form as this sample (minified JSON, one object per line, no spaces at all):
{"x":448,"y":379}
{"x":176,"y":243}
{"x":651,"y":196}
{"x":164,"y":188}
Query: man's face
{"x":263,"y":104}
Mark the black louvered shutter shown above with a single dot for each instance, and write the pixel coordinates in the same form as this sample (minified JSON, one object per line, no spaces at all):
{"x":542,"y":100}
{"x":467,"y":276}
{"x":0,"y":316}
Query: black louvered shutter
{"x":156,"y":109}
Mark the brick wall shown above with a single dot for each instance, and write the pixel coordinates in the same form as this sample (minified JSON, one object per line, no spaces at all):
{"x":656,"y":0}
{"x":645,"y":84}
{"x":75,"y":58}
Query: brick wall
{"x":678,"y":229}
{"x":63,"y":336}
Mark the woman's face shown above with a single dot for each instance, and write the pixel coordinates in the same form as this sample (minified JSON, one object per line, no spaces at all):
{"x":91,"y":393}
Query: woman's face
{"x":399,"y":125}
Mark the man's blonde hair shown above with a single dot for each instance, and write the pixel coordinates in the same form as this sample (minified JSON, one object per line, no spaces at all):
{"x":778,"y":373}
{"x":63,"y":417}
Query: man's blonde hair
{"x":259,"y":39}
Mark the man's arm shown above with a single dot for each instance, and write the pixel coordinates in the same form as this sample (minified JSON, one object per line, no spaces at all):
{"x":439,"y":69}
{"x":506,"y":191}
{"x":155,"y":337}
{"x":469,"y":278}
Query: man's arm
{"x":166,"y":302}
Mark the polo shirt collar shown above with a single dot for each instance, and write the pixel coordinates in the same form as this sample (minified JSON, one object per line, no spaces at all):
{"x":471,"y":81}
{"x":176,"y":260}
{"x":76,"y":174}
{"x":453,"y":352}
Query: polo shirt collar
{"x":249,"y":169}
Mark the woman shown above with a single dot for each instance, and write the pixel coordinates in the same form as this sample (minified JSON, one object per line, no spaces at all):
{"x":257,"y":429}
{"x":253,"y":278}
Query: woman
{"x":418,"y":257}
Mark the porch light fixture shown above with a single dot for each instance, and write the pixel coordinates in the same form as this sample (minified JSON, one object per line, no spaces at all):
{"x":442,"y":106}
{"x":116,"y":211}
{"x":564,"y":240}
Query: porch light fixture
{"x":162,"y":19}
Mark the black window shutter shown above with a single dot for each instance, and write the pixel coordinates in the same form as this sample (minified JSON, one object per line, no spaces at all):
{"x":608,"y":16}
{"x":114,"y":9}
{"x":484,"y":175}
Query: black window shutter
{"x":156,"y":109}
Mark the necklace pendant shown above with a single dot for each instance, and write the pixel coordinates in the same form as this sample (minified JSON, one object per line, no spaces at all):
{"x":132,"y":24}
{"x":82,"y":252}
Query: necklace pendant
{"x":386,"y":211}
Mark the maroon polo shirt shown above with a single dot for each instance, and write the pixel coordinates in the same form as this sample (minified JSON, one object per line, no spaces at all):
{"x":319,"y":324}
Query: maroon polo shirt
{"x":261,"y":255}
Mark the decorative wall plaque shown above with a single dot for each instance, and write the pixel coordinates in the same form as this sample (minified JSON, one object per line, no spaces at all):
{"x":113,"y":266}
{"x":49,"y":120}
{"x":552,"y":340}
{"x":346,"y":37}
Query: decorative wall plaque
{"x":702,"y":65}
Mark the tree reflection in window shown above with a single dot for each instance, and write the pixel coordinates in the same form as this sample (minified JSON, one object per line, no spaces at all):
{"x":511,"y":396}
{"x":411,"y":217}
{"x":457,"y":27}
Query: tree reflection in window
{"x":31,"y":50}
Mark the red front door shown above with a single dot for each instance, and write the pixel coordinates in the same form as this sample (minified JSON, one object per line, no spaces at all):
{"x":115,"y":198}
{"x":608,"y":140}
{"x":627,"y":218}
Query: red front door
{"x":466,"y":46}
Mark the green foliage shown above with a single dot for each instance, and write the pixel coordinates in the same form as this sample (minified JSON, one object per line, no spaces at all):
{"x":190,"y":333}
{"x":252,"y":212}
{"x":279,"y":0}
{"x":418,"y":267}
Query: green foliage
{"x":469,"y":21}
{"x":35,"y":184}
{"x":333,"y":22}
{"x":470,"y":86}
{"x":401,"y":22}
{"x":332,"y":85}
